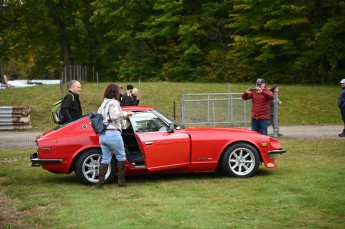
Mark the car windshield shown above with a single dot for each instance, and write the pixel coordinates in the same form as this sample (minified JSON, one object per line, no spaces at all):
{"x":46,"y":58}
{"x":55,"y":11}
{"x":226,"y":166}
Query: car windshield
{"x":147,"y":122}
{"x":152,"y":121}
{"x":167,"y":119}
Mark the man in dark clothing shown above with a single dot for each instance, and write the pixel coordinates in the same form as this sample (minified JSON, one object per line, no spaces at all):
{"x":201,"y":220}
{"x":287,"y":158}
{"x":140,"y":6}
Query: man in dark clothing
{"x":135,"y":94}
{"x":261,"y":97}
{"x":120,"y":87}
{"x":341,"y":105}
{"x":127,"y":99}
{"x":70,"y":107}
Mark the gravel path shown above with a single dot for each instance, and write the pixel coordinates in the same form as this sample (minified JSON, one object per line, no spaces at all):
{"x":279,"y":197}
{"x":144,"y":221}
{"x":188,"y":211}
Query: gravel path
{"x":305,"y":132}
{"x":26,"y":139}
{"x":18,"y":139}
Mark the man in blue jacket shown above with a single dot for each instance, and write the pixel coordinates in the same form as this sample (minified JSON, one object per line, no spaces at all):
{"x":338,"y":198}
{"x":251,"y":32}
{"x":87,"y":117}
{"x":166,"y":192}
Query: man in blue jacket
{"x":341,"y":105}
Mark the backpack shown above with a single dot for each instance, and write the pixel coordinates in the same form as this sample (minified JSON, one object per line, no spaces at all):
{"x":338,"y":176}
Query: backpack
{"x":56,"y":111}
{"x":96,"y":121}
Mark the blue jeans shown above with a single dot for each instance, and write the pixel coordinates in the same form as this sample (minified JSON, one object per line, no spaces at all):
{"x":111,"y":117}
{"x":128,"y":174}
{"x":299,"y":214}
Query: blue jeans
{"x":111,"y":141}
{"x":260,"y":125}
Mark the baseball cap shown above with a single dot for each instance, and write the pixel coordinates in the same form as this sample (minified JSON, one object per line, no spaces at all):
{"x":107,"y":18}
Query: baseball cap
{"x":260,"y":81}
{"x":342,"y":81}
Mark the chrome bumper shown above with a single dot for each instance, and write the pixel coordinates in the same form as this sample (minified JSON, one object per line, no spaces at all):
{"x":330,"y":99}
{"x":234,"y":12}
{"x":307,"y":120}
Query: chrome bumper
{"x":277,"y":151}
{"x":35,"y":161}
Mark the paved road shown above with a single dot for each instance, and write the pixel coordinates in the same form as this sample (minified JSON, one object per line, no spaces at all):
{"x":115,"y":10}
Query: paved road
{"x":305,"y":132}
{"x":18,"y":139}
{"x":26,"y":139}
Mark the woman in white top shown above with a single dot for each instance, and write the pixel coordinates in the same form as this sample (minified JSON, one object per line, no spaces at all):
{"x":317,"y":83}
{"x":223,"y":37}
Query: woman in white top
{"x":111,"y":139}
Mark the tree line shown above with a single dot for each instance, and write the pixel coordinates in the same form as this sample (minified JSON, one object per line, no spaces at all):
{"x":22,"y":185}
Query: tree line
{"x":284,"y":41}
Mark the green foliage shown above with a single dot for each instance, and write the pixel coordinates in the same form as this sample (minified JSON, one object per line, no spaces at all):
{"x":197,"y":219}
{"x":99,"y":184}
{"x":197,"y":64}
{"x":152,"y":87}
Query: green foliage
{"x":328,"y":49}
{"x":209,"y":40}
{"x":288,"y":41}
{"x":265,"y":35}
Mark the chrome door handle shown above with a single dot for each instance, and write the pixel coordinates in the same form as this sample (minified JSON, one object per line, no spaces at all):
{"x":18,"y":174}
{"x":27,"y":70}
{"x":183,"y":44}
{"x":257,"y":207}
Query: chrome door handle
{"x":148,"y":143}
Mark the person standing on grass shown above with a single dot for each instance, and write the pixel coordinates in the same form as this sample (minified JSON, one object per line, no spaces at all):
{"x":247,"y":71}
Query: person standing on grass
{"x":111,"y":139}
{"x":127,"y":98}
{"x":261,"y":97}
{"x":341,"y":105}
{"x":135,"y":94}
{"x":275,"y":90}
{"x":70,"y":107}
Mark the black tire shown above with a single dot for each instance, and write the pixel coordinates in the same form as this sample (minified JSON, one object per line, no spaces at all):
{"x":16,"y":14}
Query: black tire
{"x":240,"y":160}
{"x":87,"y":167}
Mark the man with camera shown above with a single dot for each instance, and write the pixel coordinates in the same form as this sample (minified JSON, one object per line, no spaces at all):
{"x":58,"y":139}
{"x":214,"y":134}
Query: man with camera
{"x":261,"y":97}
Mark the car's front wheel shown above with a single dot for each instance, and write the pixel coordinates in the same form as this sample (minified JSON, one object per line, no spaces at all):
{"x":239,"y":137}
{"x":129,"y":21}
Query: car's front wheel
{"x":87,"y":167}
{"x":240,"y":160}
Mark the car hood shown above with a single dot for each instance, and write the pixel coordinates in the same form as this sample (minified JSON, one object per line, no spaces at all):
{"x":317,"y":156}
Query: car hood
{"x":225,"y":133}
{"x":218,"y":129}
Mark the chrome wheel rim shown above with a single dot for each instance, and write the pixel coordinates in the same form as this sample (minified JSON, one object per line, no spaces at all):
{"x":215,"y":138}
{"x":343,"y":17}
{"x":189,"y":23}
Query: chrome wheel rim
{"x":91,"y":168}
{"x":241,"y":161}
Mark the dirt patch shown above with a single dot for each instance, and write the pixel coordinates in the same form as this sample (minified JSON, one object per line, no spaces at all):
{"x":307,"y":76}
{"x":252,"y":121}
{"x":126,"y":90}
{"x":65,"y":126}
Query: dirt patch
{"x":11,"y":217}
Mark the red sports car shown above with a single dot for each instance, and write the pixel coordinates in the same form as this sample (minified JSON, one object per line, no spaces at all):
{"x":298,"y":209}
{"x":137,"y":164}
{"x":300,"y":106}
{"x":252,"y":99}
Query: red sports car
{"x":155,"y":143}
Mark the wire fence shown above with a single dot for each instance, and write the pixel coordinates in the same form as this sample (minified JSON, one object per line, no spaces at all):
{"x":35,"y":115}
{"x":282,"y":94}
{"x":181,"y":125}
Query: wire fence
{"x":216,"y":109}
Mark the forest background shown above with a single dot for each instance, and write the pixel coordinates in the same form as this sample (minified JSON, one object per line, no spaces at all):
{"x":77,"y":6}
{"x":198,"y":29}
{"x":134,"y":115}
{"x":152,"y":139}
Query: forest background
{"x":284,"y":41}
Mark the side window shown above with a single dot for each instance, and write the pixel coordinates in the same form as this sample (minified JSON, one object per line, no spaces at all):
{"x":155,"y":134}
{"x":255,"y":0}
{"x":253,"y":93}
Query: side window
{"x":147,"y":122}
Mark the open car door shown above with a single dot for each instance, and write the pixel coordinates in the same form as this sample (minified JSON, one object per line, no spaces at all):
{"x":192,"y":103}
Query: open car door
{"x":162,"y":150}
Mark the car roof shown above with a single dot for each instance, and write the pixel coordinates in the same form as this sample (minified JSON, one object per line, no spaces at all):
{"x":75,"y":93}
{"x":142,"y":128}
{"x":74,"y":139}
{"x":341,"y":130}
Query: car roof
{"x":137,"y":108}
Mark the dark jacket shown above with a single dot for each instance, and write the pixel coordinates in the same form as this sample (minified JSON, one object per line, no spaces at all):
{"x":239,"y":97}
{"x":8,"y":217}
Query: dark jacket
{"x":341,"y":100}
{"x":70,"y":107}
{"x":260,"y":103}
{"x":135,"y":100}
{"x":126,"y":100}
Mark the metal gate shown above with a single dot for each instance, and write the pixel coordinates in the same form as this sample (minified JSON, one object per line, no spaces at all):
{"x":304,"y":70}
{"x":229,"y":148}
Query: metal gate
{"x":217,"y":109}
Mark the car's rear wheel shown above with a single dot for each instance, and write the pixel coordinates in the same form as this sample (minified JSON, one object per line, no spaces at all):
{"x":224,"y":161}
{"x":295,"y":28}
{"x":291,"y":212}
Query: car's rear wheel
{"x":87,"y":167}
{"x":240,"y":160}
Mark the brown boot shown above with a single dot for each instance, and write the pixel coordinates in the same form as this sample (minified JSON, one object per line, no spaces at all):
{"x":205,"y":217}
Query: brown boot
{"x":121,"y":173}
{"x":103,"y":168}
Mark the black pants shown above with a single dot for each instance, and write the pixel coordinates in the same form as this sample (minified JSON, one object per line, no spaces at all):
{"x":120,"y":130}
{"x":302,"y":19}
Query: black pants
{"x":342,"y":111}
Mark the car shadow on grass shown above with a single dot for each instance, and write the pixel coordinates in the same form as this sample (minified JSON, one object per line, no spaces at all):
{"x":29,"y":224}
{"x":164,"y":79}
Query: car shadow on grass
{"x":60,"y":179}
{"x":72,"y":179}
{"x":171,"y":177}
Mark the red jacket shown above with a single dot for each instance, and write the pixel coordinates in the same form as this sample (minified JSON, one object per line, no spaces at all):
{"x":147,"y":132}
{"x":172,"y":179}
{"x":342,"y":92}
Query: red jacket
{"x":260,"y":103}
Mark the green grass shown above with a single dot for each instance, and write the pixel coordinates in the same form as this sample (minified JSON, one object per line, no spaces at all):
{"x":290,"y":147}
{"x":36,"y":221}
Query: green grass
{"x":305,"y":191}
{"x":302,"y":105}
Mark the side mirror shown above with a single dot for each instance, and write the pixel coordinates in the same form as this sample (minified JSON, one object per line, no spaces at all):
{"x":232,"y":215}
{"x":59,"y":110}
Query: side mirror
{"x":171,"y":128}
